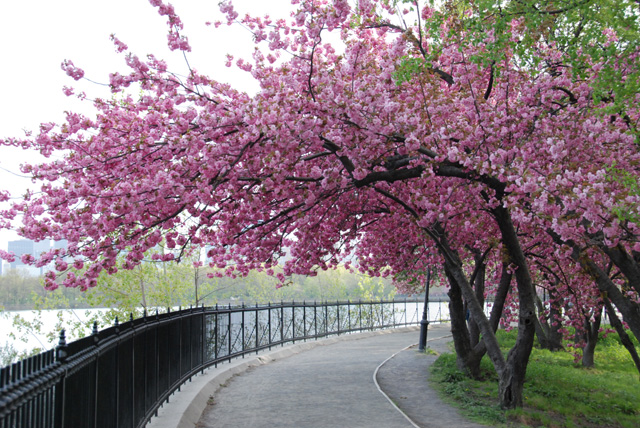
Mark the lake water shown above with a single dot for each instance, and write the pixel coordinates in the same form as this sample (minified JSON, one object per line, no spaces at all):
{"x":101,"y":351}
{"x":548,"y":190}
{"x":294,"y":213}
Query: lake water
{"x":52,"y":320}
{"x":27,"y":339}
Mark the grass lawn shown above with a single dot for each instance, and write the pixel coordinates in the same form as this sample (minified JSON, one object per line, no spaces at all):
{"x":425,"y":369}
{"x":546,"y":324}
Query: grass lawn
{"x":558,"y":392}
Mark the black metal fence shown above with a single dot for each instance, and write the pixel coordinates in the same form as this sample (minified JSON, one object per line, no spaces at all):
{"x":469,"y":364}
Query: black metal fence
{"x":119,"y":377}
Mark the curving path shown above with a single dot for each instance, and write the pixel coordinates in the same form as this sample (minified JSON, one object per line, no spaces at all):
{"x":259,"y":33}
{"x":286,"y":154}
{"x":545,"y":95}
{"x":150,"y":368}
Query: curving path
{"x":334,"y":386}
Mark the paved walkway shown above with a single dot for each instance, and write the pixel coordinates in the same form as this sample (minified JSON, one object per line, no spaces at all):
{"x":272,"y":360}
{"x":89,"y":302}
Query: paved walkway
{"x":334,"y":386}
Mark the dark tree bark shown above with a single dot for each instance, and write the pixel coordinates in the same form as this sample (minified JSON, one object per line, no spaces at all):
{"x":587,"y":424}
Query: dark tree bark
{"x":458,"y":280}
{"x":478,"y":280}
{"x":555,"y":318}
{"x":548,"y":334}
{"x":501,"y":296}
{"x":591,"y":333}
{"x":465,"y":356}
{"x":511,"y":373}
{"x":511,"y":380}
{"x":624,"y":337}
{"x":630,"y":310}
{"x":626,"y":263}
{"x":469,"y":357}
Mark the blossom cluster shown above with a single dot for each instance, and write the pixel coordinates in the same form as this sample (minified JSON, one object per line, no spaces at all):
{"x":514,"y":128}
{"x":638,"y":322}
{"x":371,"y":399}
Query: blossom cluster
{"x":335,"y":158}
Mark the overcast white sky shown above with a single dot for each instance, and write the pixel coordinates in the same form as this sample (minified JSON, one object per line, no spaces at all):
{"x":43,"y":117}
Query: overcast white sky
{"x":37,"y":35}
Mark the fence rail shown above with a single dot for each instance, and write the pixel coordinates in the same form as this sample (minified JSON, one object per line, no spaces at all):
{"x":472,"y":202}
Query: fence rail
{"x":118,"y":377}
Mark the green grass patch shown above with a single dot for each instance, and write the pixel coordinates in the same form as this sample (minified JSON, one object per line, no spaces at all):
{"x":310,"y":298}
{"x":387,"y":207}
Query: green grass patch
{"x":558,"y":393}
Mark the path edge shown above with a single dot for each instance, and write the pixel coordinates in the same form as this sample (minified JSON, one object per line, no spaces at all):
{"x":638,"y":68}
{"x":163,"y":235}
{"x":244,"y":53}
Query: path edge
{"x":375,"y":378}
{"x":185,"y":406}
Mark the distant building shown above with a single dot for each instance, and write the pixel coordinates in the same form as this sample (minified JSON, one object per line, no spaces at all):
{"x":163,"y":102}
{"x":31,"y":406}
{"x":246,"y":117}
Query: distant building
{"x":27,"y":246}
{"x":20,"y":248}
{"x":60,"y":244}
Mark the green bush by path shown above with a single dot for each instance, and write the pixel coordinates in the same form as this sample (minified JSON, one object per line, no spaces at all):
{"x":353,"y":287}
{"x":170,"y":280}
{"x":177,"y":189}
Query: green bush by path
{"x":558,"y":392}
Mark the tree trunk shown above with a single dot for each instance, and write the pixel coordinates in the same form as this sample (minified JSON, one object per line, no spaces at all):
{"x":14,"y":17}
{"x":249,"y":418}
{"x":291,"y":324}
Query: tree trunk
{"x":630,"y":310}
{"x":511,"y":381}
{"x":626,"y":263}
{"x":624,"y":337}
{"x":479,"y":285}
{"x":591,"y":332}
{"x":460,"y":286}
{"x":504,"y":286}
{"x":511,"y":373}
{"x":547,"y":334}
{"x":555,"y":318}
{"x":501,"y":296}
{"x":464,"y":354}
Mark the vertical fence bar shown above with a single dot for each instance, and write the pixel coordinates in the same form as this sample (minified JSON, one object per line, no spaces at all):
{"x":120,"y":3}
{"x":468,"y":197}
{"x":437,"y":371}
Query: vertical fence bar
{"x":281,"y":321}
{"x":326,"y":317}
{"x":242,"y":326}
{"x":257,"y":333}
{"x":406,"y":321}
{"x":61,"y":356}
{"x":229,"y":342}
{"x":203,"y":338}
{"x":215,"y":337}
{"x":269,"y":324}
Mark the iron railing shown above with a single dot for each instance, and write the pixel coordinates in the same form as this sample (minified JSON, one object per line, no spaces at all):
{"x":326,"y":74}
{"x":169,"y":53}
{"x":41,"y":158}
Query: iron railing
{"x":119,"y":377}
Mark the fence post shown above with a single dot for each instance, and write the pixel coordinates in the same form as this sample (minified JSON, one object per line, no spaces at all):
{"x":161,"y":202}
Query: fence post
{"x":404,"y":320}
{"x":96,"y":340}
{"x":269,"y":323}
{"x":157,"y":358}
{"x":203,"y":338}
{"x":281,"y":321}
{"x":230,"y":343}
{"x":242,"y":326}
{"x":61,"y":357}
{"x":257,"y":333}
{"x":304,"y":318}
{"x":424,"y":324}
{"x":326,"y":317}
{"x":215,"y":337}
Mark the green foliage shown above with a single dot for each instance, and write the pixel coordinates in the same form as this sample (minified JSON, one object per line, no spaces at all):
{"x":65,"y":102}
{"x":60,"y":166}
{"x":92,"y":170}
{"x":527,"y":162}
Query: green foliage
{"x":557,"y":391}
{"x":154,"y":286}
{"x":16,"y":289}
{"x":624,"y":210}
{"x":374,"y":289}
{"x":8,"y":354}
{"x":408,"y":68}
{"x":458,"y":389}
{"x":576,"y":27}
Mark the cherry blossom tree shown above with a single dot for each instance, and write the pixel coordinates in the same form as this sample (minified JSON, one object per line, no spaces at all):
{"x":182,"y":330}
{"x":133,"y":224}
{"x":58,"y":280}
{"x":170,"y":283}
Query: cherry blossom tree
{"x":413,"y":140}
